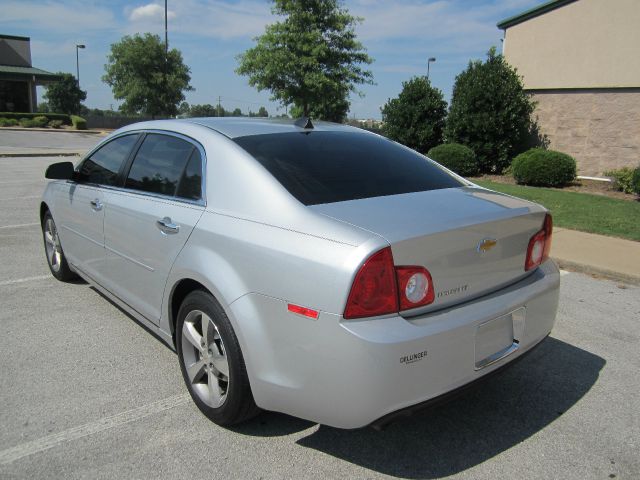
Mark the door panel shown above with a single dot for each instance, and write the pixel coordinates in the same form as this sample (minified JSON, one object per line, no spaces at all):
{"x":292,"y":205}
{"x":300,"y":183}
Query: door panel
{"x":139,"y":250}
{"x":80,"y":219}
{"x":81,"y":205}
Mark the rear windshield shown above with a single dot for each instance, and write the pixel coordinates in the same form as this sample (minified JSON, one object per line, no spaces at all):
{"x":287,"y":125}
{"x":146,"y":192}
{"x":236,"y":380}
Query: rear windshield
{"x":325,"y":167}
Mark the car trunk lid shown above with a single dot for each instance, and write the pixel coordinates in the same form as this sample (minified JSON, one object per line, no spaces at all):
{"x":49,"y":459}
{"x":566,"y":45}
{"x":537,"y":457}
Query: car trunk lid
{"x":472,"y":240}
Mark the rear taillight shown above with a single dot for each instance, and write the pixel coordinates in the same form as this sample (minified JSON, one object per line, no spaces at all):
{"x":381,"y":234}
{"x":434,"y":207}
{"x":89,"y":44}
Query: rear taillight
{"x":374,"y":290}
{"x":415,"y":287}
{"x":539,"y":245}
{"x":381,"y":288}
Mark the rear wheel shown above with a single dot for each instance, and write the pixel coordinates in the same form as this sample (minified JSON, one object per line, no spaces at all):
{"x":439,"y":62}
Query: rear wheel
{"x":211,"y":361}
{"x":55,"y":256}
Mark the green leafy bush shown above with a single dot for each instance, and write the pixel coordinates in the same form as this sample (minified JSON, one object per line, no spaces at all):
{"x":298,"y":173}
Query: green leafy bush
{"x":27,"y":123}
{"x":40,"y":121}
{"x":455,"y":157}
{"x":55,"y":123}
{"x":8,"y":122}
{"x":635,"y":181}
{"x":490,"y":112}
{"x":416,"y":118}
{"x":78,"y":123}
{"x":622,"y":179}
{"x":544,"y":168}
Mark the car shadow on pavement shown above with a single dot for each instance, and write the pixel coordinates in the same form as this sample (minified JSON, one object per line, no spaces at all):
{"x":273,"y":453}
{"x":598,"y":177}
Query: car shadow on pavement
{"x":504,"y":411}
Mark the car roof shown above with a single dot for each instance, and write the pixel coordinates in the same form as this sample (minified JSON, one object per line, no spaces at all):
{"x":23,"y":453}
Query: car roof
{"x":234,"y":127}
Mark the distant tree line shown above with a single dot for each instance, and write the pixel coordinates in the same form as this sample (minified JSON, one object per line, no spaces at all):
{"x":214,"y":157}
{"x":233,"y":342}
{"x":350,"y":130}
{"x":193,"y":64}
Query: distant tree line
{"x":207,"y":110}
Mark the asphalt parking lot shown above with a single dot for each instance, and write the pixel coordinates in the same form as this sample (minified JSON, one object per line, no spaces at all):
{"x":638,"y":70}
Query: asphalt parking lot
{"x":86,"y":392}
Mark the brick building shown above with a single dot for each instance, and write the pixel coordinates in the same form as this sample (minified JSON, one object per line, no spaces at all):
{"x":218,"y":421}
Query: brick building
{"x":581,"y":61}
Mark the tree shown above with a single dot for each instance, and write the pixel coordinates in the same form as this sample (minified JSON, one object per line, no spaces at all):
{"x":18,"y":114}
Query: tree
{"x":262,"y":112}
{"x":311,"y":59}
{"x":490,"y":112}
{"x":417,"y":117}
{"x":138,"y":74}
{"x":236,"y":112}
{"x":65,"y":96}
{"x":205,"y":110}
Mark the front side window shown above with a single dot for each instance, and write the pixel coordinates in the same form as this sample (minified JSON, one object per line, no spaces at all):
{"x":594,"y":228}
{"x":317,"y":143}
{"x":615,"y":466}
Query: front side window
{"x":159,"y":164}
{"x":103,"y":165}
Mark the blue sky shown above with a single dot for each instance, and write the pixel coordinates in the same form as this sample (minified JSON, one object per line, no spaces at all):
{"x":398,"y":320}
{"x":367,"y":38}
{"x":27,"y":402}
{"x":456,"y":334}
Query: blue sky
{"x":400,"y":36}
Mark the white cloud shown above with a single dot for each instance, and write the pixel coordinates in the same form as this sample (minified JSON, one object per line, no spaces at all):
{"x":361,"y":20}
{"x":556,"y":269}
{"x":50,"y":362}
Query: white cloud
{"x":56,"y":17}
{"x":151,"y":11}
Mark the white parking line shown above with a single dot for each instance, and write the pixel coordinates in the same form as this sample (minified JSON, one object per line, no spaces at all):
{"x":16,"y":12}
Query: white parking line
{"x":563,"y":273}
{"x":20,"y":225}
{"x":45,"y":443}
{"x":19,"y":198}
{"x":23,"y":280}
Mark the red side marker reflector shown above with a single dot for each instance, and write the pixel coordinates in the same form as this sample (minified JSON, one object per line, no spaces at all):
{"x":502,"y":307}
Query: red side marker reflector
{"x":307,"y":312}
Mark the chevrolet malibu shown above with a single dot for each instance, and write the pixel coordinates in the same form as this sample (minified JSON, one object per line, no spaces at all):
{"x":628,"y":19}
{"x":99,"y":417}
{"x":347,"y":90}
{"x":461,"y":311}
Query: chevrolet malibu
{"x":313,"y":269}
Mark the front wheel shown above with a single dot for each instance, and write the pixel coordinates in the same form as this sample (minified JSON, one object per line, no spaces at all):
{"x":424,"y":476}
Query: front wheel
{"x":211,"y":361}
{"x":55,"y":256}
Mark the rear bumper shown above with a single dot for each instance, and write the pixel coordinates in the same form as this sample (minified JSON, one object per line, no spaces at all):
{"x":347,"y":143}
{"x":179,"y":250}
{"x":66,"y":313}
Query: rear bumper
{"x":349,"y":374}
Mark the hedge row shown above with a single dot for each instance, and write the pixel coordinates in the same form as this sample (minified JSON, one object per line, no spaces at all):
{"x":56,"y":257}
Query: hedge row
{"x":66,"y":119}
{"x":40,"y":120}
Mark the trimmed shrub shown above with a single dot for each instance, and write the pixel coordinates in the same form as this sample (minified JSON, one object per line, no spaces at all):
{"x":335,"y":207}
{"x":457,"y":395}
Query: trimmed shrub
{"x":8,"y":122}
{"x":622,"y":179}
{"x":50,"y":116}
{"x":635,"y":181}
{"x":78,"y":123}
{"x":27,"y":123}
{"x":40,"y":121}
{"x":55,"y":123}
{"x":455,"y":157}
{"x":544,"y":168}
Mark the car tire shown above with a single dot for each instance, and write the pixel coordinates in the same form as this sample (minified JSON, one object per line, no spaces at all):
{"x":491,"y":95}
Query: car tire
{"x":212,"y":364}
{"x":53,"y":250}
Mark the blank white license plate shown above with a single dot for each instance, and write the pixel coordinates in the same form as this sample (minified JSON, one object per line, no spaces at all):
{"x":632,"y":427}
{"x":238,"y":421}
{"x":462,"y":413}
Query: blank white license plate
{"x":494,"y":338}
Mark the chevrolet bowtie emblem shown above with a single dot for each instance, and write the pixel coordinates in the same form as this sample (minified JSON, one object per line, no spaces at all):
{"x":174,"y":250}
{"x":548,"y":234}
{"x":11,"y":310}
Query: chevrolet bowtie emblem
{"x":486,"y":244}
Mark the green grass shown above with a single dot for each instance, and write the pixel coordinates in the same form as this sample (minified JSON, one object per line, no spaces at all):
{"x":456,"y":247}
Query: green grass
{"x":581,"y":211}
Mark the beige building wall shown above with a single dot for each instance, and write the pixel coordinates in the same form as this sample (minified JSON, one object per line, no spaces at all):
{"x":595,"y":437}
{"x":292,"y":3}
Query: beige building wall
{"x":584,"y":44}
{"x":599,"y":128}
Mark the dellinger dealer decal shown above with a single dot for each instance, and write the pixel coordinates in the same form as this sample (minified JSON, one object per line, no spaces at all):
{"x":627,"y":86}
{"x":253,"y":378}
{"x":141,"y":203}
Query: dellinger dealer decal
{"x":414,"y":357}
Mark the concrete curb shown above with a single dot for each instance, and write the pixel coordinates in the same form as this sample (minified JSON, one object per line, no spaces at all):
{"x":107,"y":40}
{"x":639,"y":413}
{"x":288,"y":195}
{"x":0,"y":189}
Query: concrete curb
{"x":597,"y":272}
{"x":42,"y":154}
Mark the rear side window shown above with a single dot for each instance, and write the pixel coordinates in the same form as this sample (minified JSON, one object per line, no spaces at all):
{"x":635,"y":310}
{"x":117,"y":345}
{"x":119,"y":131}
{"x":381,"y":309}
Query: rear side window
{"x":103,"y":166}
{"x":324,"y":167}
{"x":191,"y":183}
{"x":159,"y":164}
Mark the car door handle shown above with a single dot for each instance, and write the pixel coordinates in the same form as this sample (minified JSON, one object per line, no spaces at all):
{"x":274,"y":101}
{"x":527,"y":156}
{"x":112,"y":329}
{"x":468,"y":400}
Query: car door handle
{"x":167,"y":226}
{"x":96,"y":205}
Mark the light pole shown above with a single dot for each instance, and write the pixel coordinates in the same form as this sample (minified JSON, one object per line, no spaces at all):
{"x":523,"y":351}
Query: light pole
{"x":78,"y":64}
{"x":431,"y":59}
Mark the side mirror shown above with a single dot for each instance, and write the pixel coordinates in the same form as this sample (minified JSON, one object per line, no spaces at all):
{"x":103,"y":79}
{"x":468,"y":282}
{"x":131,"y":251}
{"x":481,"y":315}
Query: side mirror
{"x":60,"y":171}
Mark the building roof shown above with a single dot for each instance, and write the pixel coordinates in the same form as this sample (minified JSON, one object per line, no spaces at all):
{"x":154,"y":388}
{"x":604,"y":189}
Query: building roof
{"x":532,"y":13}
{"x":28,"y":72}
{"x":13,"y":37}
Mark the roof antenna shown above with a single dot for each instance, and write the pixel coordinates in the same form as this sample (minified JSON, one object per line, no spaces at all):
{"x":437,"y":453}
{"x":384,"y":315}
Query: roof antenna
{"x":304,"y":122}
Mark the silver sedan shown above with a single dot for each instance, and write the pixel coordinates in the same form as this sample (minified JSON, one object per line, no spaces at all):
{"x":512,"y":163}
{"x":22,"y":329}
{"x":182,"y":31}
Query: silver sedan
{"x":313,"y":269}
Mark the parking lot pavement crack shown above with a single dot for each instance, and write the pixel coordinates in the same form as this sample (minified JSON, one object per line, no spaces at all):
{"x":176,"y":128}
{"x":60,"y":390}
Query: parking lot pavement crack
{"x":45,"y":443}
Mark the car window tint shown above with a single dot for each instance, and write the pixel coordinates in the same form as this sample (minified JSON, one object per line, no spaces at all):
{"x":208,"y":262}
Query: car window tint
{"x":323,"y":167}
{"x":191,"y":183}
{"x":103,"y":165}
{"x":159,"y":163}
